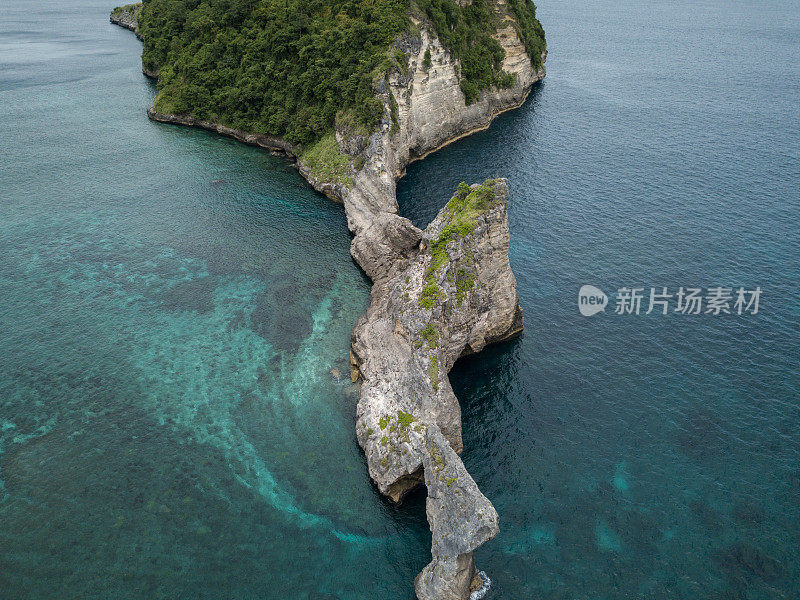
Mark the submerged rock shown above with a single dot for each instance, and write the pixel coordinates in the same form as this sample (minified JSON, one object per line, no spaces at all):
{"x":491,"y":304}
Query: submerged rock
{"x":749,"y":513}
{"x":742,"y":559}
{"x":451,"y":296}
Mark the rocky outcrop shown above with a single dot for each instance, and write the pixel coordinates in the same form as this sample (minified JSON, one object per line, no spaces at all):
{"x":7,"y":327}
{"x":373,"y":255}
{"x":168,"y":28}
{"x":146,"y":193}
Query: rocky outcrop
{"x":430,"y":305}
{"x":452,"y":295}
{"x":429,"y":112}
{"x":438,"y":294}
{"x":433,"y":303}
{"x":127,"y":17}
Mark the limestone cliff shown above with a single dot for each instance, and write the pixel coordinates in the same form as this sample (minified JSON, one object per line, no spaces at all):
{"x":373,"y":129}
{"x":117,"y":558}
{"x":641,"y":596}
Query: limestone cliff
{"x":438,"y":294}
{"x":428,"y":308}
{"x":430,"y":112}
{"x":424,"y":109}
{"x":452,"y":295}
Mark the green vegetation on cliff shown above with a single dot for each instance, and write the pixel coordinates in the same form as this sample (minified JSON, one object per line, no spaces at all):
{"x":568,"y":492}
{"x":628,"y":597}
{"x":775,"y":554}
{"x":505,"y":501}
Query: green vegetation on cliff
{"x":529,"y":29}
{"x":467,"y":32}
{"x":132,"y":9}
{"x":287,"y":67}
{"x":283,"y":67}
{"x":326,"y":161}
{"x":462,"y":211}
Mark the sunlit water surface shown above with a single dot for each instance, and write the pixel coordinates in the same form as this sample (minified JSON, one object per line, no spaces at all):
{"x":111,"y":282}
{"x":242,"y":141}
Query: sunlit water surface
{"x":176,"y":308}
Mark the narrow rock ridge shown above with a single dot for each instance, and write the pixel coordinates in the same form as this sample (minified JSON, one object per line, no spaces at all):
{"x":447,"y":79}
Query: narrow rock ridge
{"x":449,"y":296}
{"x":405,"y":387}
{"x":404,"y":376}
{"x":438,"y":294}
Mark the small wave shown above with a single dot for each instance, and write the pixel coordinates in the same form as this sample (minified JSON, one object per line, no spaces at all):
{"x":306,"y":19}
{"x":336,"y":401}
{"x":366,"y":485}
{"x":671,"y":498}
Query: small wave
{"x":484,"y":589}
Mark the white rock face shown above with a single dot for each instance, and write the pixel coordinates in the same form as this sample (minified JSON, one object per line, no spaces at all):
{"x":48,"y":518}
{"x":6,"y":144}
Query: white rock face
{"x":432,"y":108}
{"x":431,"y":112}
{"x":408,"y":419}
{"x":448,"y":296}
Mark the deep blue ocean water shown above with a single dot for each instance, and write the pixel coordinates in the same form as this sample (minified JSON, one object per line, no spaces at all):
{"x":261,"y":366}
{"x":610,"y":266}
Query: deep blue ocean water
{"x":172,"y":304}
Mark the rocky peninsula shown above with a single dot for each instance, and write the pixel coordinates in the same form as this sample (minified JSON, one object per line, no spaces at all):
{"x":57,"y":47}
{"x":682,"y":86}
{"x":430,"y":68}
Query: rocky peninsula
{"x":448,"y":294}
{"x":437,"y":294}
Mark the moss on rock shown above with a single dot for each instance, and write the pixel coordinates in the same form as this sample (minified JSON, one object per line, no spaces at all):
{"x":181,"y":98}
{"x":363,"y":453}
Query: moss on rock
{"x":327,"y":162}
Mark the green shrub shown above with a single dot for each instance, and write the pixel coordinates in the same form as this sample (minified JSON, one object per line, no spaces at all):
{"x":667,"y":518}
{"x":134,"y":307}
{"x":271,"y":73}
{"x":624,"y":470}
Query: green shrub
{"x":394,"y":113}
{"x":405,"y":419}
{"x":133,"y":9}
{"x":465,"y":281}
{"x":433,"y":372}
{"x":430,"y":334}
{"x":327,"y":162}
{"x":431,"y":294}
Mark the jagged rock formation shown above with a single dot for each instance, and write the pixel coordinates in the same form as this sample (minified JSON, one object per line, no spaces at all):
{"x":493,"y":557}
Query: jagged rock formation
{"x":451,"y":295}
{"x":430,"y":112}
{"x":401,"y":381}
{"x":127,"y":17}
{"x":437,"y":294}
{"x":402,"y":350}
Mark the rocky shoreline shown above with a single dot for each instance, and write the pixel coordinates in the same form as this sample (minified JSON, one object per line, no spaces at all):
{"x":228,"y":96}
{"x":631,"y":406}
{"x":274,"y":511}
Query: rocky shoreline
{"x":437,"y":294}
{"x":450,"y":295}
{"x":267,"y":142}
{"x":127,"y":17}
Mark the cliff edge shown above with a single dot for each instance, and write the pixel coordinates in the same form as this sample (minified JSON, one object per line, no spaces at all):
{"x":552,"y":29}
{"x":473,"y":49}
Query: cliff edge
{"x":127,"y":17}
{"x":451,"y":296}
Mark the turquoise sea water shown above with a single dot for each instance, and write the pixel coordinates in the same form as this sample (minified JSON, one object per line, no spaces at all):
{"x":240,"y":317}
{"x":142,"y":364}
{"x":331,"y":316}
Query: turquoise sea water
{"x":173,"y":304}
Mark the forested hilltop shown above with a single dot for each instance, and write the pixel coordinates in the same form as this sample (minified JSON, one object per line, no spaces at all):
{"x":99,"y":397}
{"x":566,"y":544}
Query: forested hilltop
{"x":291,"y":68}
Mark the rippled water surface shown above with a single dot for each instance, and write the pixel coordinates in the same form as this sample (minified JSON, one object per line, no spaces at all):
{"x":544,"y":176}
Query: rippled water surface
{"x":176,"y":308}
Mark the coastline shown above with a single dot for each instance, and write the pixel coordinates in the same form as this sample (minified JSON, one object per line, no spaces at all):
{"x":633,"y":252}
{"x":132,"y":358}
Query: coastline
{"x":267,"y":142}
{"x":479,"y":128}
{"x":424,"y":111}
{"x":275,"y":145}
{"x":387,"y":154}
{"x":127,"y":19}
{"x":281,"y":146}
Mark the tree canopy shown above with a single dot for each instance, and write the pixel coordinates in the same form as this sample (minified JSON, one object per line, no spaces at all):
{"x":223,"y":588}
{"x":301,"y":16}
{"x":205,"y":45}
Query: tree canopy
{"x":286,"y":67}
